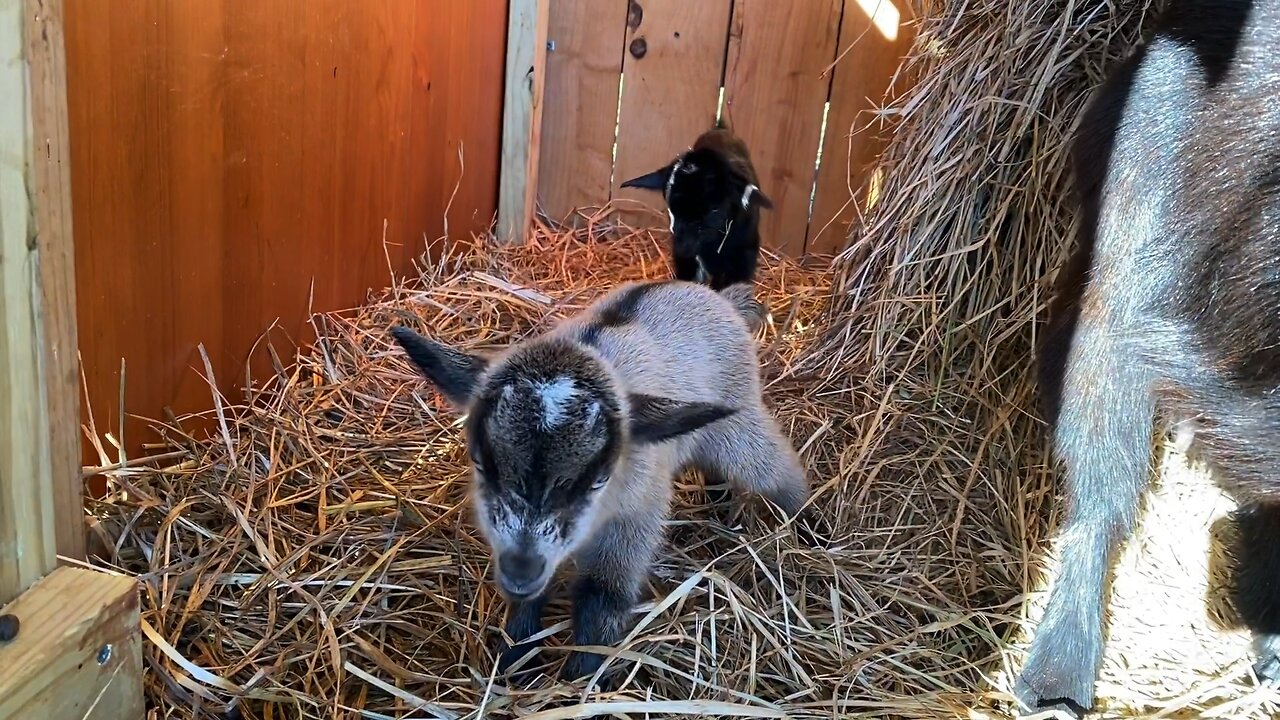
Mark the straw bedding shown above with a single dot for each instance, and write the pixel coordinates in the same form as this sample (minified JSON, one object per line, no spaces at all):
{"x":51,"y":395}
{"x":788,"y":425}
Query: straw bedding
{"x":313,"y":557}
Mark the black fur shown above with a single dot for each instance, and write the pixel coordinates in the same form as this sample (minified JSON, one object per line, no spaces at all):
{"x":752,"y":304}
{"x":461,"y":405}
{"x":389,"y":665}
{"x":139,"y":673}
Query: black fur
{"x":600,"y":615}
{"x":620,"y":313}
{"x":656,"y":419}
{"x":715,"y":238}
{"x":452,"y":372}
{"x":1170,"y":305}
{"x":524,"y":620}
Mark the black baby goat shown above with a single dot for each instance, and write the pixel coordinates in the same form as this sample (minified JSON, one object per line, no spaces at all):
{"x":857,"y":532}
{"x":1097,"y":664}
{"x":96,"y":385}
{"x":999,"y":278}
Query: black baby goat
{"x":1170,"y":306}
{"x":713,"y":200}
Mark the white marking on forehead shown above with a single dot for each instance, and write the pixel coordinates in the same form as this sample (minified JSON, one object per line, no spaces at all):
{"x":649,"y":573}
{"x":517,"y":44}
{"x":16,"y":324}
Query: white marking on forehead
{"x":746,"y":195}
{"x":555,"y":397}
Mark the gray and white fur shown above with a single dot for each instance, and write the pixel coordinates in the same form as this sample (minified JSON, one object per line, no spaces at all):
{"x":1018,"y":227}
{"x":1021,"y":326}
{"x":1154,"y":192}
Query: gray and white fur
{"x":1169,"y":309}
{"x":576,"y":436}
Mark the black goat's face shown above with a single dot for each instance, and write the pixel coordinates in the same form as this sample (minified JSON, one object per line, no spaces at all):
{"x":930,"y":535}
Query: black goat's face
{"x":700,"y":186}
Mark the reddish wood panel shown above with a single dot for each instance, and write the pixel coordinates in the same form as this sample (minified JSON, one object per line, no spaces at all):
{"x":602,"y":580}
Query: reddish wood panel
{"x":775,"y":91}
{"x":580,"y":104}
{"x":671,"y":84}
{"x":874,"y":37}
{"x":233,"y":164}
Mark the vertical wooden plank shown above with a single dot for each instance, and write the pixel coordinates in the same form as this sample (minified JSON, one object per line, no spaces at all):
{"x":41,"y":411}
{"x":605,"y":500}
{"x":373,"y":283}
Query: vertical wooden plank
{"x":232,"y":164}
{"x":52,"y":197}
{"x":27,"y":536}
{"x":671,"y":85}
{"x":874,"y":37}
{"x":522,"y":116}
{"x":580,"y":104}
{"x":774,"y":96}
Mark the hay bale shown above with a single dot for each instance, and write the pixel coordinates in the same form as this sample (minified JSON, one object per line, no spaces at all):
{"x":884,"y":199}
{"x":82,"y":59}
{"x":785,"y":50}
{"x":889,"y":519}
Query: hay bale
{"x":313,"y":558}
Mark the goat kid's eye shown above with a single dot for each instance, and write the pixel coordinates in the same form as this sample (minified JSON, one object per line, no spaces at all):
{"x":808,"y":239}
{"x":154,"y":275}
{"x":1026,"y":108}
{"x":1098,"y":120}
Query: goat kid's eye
{"x":600,"y":482}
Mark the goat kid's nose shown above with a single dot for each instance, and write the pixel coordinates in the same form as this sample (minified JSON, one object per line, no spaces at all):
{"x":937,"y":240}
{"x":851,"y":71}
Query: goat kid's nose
{"x":520,"y":571}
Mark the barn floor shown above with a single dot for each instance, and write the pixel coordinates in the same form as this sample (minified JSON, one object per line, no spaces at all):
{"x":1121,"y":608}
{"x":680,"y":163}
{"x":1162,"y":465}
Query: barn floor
{"x":313,"y":558}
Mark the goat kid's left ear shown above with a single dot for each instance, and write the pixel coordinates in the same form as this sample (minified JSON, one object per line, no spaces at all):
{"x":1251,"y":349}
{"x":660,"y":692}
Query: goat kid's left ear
{"x":452,"y":371}
{"x":655,"y":419}
{"x":756,"y":196}
{"x":656,"y":180}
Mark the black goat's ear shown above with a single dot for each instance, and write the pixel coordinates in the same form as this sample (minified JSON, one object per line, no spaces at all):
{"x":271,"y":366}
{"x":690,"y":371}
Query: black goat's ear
{"x":656,"y":180}
{"x":453,"y":372}
{"x":755,"y":196}
{"x":655,"y":419}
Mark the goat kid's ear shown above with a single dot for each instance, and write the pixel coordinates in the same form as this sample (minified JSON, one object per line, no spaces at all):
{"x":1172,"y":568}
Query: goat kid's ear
{"x":656,"y":180}
{"x":655,"y":419}
{"x":758,"y":197}
{"x":452,"y":371}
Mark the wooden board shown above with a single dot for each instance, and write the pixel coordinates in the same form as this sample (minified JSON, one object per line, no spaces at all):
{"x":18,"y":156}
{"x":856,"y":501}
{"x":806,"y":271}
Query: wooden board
{"x":27,"y":535}
{"x":669,"y":92}
{"x":526,"y":68}
{"x":51,"y":195}
{"x":580,"y":104}
{"x":774,"y":97}
{"x":874,"y":36}
{"x":233,"y":165}
{"x":78,"y":650}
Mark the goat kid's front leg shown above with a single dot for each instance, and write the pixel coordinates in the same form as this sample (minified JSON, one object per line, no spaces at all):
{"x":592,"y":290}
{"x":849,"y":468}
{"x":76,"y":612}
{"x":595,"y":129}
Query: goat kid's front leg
{"x":1257,"y":584}
{"x":1103,"y":438}
{"x":524,"y":619}
{"x":611,"y":573}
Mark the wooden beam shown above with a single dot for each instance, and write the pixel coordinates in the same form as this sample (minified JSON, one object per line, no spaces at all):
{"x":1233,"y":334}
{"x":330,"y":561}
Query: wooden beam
{"x":77,"y":652}
{"x":51,"y":194}
{"x":522,"y":116}
{"x":27,"y":535}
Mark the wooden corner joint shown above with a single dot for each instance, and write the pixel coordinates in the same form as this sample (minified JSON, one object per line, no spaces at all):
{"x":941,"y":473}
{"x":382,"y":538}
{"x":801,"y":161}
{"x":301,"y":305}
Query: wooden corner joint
{"x":74,"y":649}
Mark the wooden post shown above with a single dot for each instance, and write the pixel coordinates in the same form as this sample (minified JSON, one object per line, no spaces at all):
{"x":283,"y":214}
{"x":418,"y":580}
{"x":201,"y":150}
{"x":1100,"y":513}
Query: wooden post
{"x":522,"y":116}
{"x":70,"y":642}
{"x":51,"y":194}
{"x":77,"y":652}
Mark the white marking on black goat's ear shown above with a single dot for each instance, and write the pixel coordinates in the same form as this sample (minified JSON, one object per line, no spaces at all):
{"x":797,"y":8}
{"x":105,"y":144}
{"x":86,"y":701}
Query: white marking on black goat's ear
{"x":655,"y":419}
{"x":672,"y":217}
{"x":671,"y":178}
{"x":753,"y":193}
{"x":454,"y":372}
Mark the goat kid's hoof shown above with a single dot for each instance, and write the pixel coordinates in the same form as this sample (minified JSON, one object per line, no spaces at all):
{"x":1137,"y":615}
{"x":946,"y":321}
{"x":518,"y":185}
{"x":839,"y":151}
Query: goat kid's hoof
{"x":583,"y":665}
{"x":509,"y":657}
{"x":1056,"y":693}
{"x":1266,"y":649}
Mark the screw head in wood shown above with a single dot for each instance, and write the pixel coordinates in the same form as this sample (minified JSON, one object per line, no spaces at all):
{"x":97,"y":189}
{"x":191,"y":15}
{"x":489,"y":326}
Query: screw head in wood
{"x":9,"y":626}
{"x":639,"y":47}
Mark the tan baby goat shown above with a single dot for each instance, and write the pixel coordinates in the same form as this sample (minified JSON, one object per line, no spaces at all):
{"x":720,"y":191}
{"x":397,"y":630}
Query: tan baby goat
{"x":576,"y":437}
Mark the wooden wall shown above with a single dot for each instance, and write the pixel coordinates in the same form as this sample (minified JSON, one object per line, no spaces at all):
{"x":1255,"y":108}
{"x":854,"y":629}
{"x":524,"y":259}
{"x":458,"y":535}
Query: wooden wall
{"x":780,"y":64}
{"x":234,"y":161}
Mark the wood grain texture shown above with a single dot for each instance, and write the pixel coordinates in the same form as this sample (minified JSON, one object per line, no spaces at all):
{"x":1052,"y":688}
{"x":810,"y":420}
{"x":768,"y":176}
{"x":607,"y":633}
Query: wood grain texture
{"x":233,"y":164}
{"x":526,"y":70}
{"x":78,"y":652}
{"x":51,"y":195}
{"x":580,"y":104}
{"x":869,"y":55}
{"x":669,"y":94}
{"x":774,"y":97}
{"x":27,"y":531}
